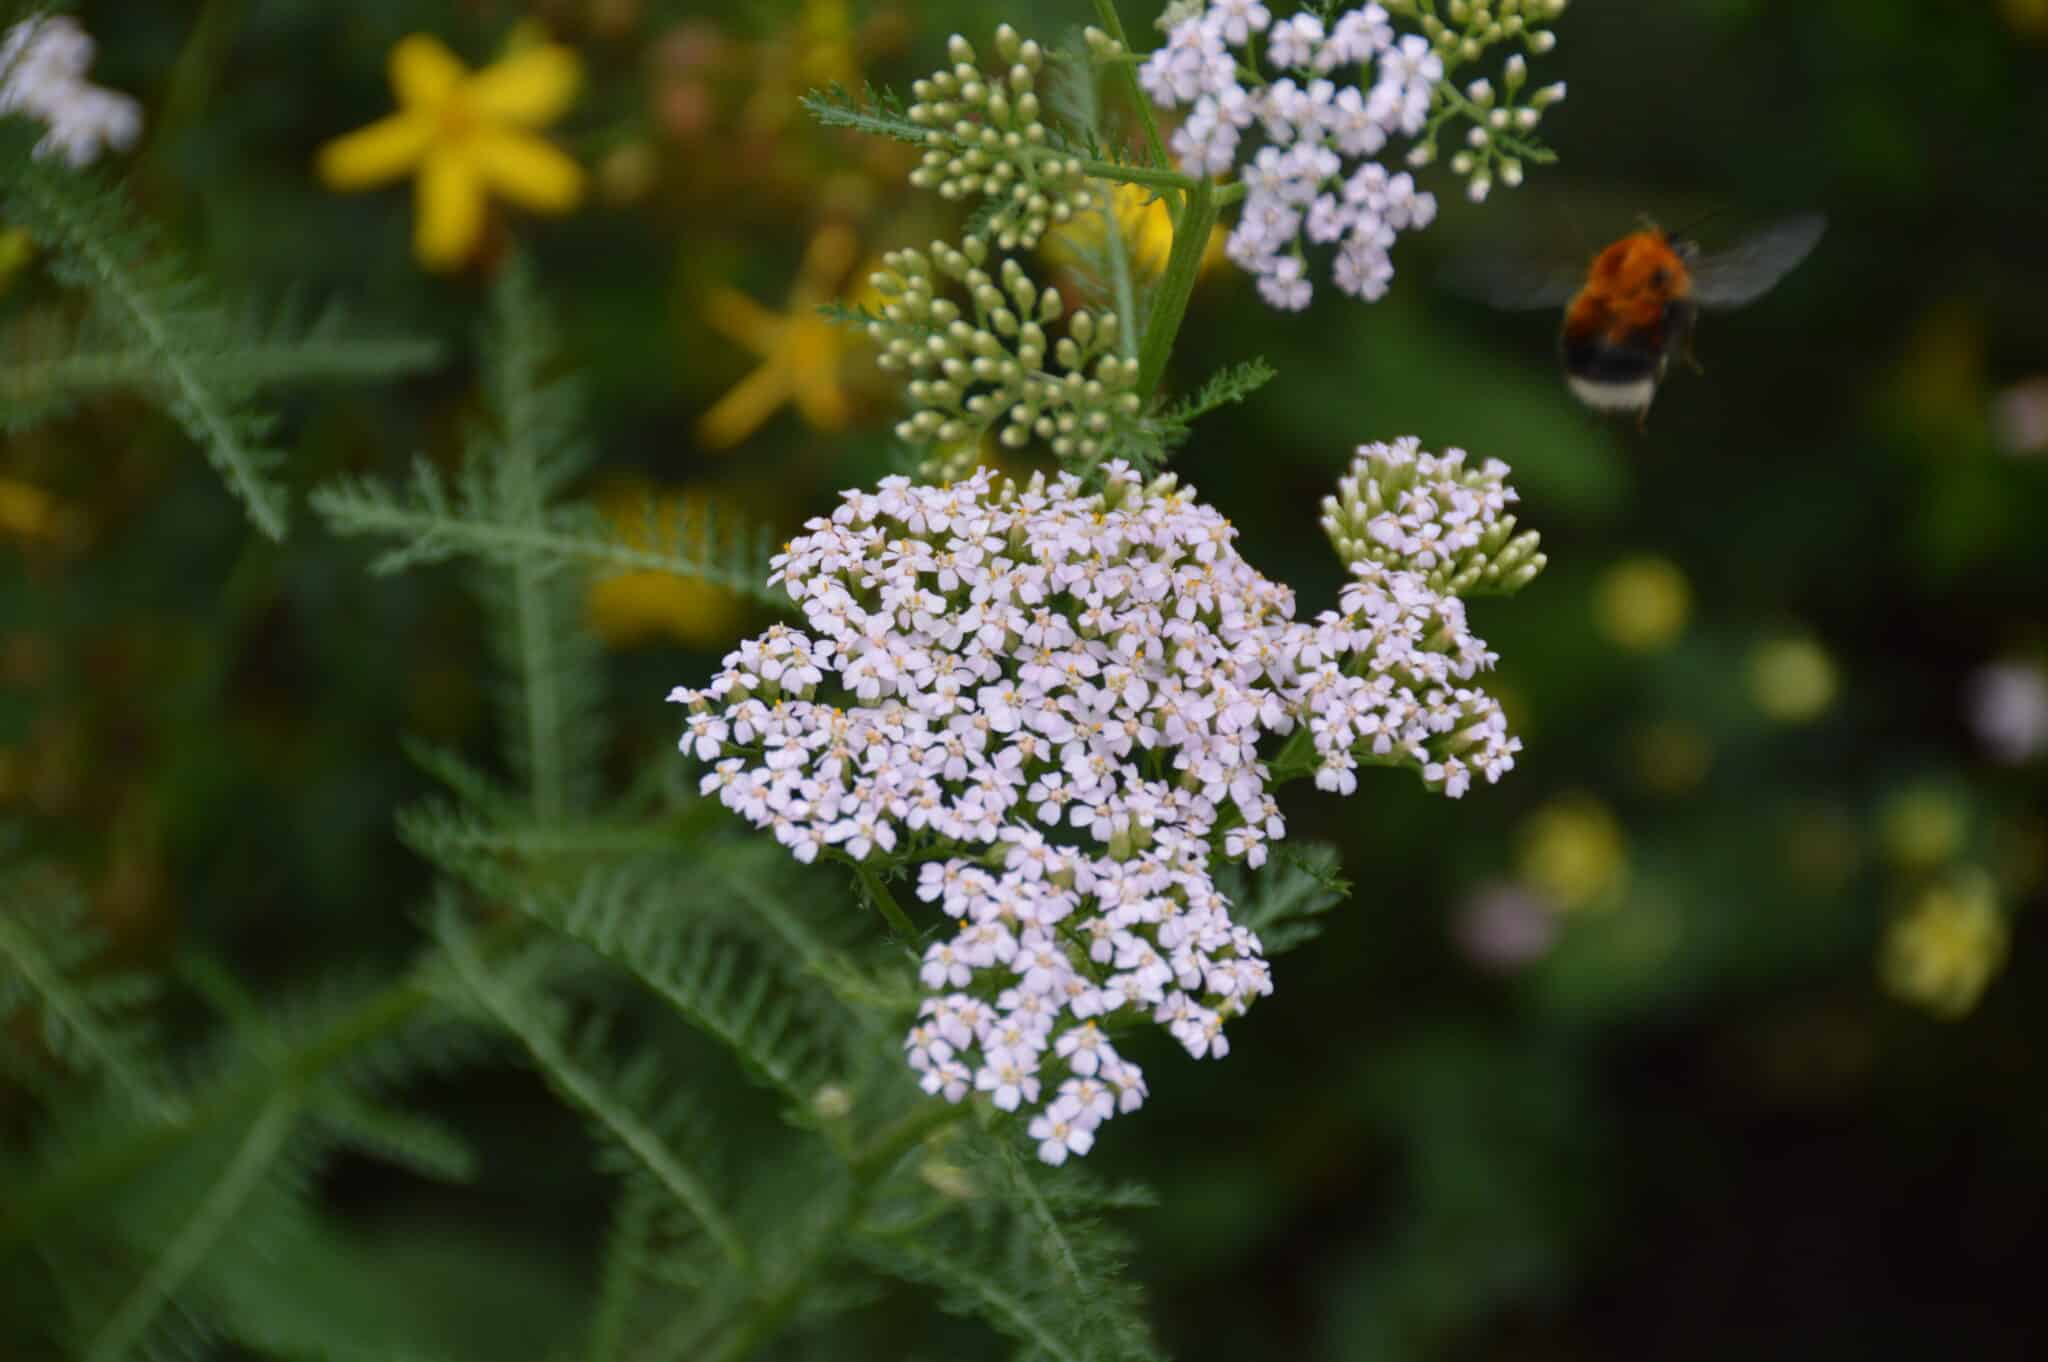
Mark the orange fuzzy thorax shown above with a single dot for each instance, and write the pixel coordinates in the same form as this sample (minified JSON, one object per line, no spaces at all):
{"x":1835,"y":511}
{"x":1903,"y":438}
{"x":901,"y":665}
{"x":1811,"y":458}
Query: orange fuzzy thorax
{"x":1629,"y":286}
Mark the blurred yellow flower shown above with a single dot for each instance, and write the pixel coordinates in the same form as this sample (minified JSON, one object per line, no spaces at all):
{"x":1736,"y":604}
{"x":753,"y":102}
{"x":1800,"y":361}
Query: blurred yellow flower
{"x":30,"y":514}
{"x":801,"y":351}
{"x":1944,"y":952}
{"x":1642,"y":604}
{"x":823,"y":48}
{"x":1791,"y":679}
{"x":1146,"y":227}
{"x":639,"y":607}
{"x":1922,"y":828}
{"x":1573,"y":852}
{"x":16,"y":250}
{"x":467,"y":136}
{"x":2027,"y":16}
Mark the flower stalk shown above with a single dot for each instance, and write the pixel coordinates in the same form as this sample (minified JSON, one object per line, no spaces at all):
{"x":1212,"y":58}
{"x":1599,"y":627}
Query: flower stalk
{"x":1190,"y":240}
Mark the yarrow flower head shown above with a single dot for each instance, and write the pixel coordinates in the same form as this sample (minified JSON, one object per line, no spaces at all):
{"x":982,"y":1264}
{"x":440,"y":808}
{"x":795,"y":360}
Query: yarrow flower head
{"x":1343,"y":92}
{"x":1065,"y":708}
{"x":42,"y":74}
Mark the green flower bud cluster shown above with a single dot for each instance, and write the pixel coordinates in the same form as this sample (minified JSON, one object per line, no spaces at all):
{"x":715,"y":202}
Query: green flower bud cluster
{"x":1405,"y":508}
{"x":1500,"y":136}
{"x":985,"y":138}
{"x":991,"y":367}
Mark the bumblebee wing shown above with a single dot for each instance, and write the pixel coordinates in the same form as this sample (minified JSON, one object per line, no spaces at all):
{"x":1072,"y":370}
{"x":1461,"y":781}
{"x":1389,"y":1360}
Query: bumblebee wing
{"x":1513,"y":285}
{"x":1748,"y":269}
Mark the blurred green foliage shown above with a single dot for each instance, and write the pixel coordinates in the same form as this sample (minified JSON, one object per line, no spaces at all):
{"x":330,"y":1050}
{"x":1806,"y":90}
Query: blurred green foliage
{"x":1695,"y":1126}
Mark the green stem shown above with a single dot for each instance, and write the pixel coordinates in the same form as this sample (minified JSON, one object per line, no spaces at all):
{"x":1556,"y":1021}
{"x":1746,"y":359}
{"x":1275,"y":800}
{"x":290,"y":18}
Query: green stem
{"x":1150,"y":178}
{"x":894,"y":1141}
{"x":892,"y":912}
{"x":1170,"y":305}
{"x":1105,"y":10}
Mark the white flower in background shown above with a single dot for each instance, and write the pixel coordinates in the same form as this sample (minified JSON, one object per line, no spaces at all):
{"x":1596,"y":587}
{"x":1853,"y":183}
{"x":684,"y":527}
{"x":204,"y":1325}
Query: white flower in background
{"x":2019,"y":417}
{"x":2008,"y":707}
{"x":1503,"y":926}
{"x":42,"y":74}
{"x":1341,"y":95}
{"x":1063,"y":707}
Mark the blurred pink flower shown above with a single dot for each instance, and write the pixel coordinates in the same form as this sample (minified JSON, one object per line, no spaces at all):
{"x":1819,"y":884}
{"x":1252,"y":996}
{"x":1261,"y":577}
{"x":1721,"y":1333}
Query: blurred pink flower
{"x":1502,"y":927}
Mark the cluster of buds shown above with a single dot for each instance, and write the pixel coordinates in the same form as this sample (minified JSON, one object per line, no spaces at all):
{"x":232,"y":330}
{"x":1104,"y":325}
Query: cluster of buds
{"x":1495,"y":141}
{"x":985,"y":138}
{"x":991,"y":367}
{"x":1401,"y":506}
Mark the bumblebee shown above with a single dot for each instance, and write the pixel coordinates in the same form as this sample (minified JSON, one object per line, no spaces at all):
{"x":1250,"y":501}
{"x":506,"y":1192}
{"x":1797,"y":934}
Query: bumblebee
{"x":1633,"y":311}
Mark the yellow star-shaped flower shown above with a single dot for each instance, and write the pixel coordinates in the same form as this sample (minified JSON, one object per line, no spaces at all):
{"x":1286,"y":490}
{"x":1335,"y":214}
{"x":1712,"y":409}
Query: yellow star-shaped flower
{"x":467,"y":135}
{"x":801,"y":350}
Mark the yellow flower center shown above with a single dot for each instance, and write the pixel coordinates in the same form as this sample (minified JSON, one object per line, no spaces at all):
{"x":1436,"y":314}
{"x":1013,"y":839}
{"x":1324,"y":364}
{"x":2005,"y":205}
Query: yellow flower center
{"x":457,"y":119}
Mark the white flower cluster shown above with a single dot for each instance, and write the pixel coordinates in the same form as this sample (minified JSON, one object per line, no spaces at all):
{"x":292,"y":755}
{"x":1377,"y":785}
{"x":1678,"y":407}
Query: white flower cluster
{"x":42,"y":74}
{"x":1053,"y":703}
{"x":1316,"y":177}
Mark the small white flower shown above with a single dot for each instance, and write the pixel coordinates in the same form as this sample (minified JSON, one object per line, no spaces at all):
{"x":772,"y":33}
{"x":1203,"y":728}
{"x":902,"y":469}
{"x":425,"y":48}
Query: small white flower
{"x":1060,"y":1132}
{"x":1237,"y":20}
{"x":1284,"y":286}
{"x":1294,"y":42}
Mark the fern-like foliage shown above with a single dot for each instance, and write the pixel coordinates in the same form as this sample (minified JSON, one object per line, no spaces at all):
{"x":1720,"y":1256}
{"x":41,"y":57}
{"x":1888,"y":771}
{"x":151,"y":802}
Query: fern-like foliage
{"x":617,"y":1098}
{"x":166,"y":330}
{"x":53,"y":367}
{"x":207,"y":1231}
{"x":88,"y":1019}
{"x":876,"y":112}
{"x":433,"y":522}
{"x":637,"y":915}
{"x":501,"y":509}
{"x":1036,"y":1264}
{"x":1235,"y":383}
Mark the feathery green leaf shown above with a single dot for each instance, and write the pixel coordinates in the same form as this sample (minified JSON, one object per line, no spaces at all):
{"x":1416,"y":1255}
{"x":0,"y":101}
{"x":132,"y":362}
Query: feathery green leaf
{"x":100,"y":244}
{"x":1284,"y":901}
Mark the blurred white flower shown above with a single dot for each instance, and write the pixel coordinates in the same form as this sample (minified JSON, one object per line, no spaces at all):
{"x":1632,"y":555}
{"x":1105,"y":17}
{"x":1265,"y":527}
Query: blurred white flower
{"x":2008,"y":708}
{"x":1504,"y":926}
{"x":42,"y":74}
{"x":2019,"y":417}
{"x":1062,"y":706}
